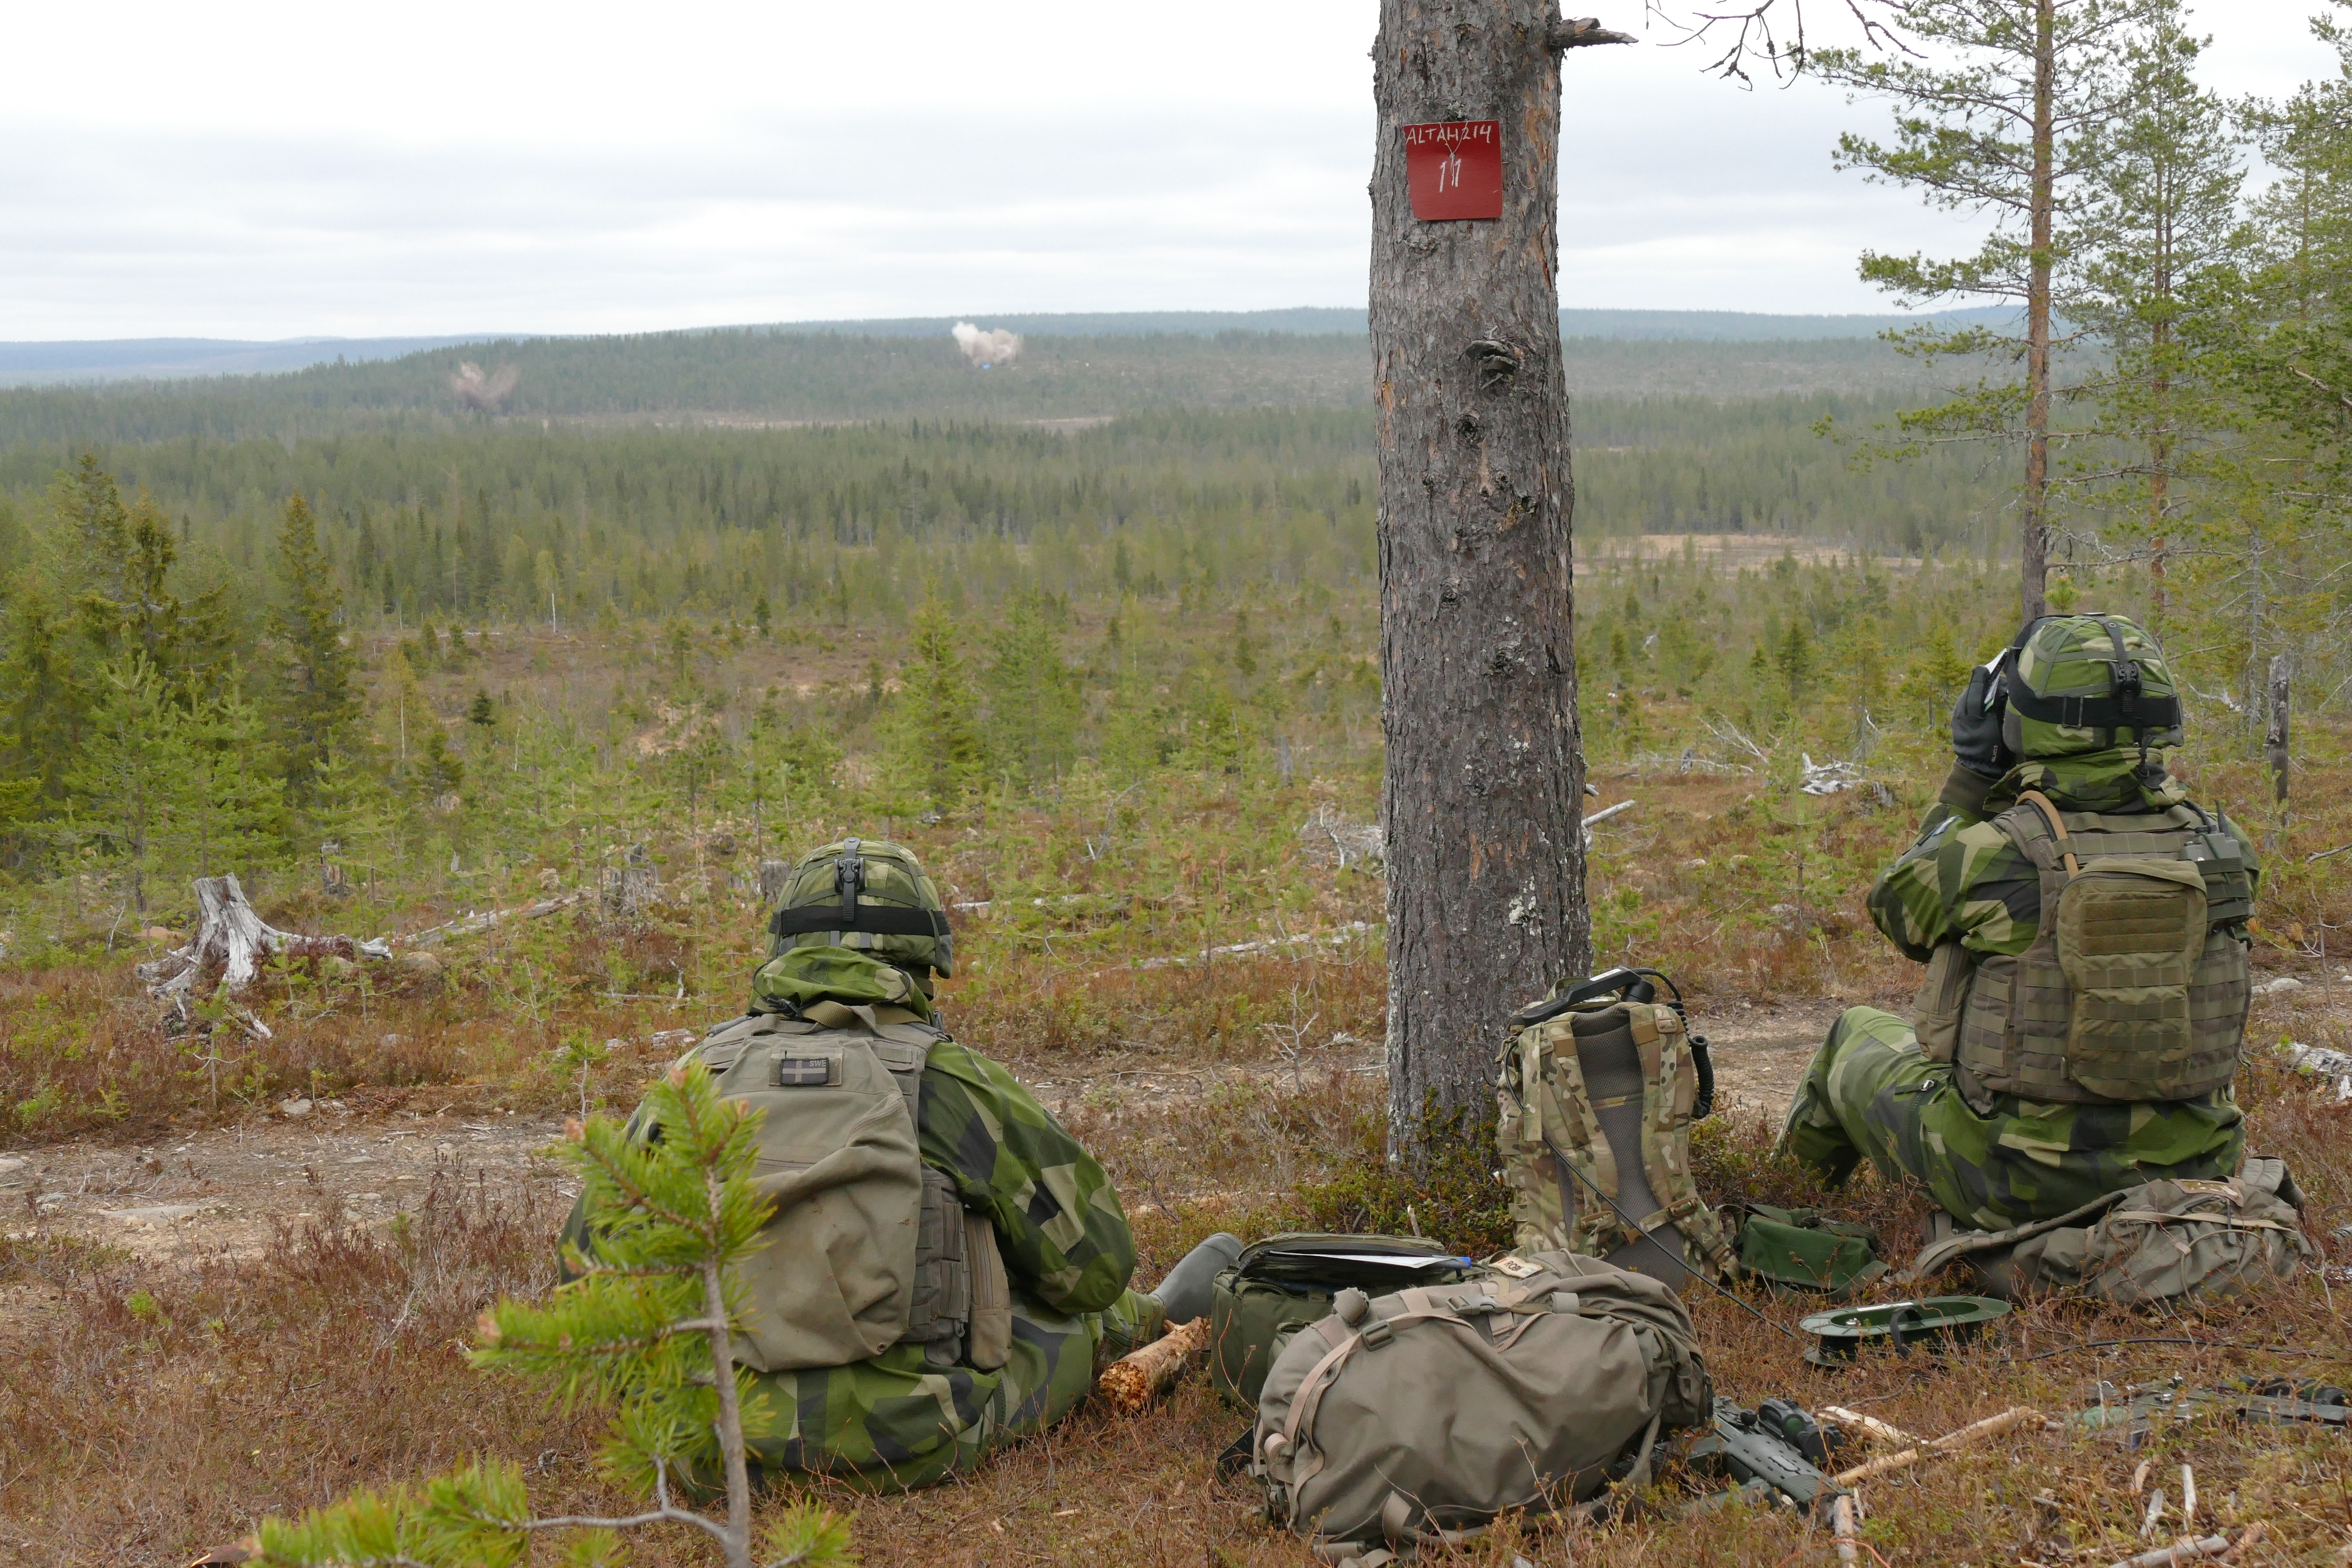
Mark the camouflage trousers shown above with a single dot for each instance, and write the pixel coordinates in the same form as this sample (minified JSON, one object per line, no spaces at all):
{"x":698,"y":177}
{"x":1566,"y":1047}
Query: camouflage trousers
{"x":1869,"y":1091}
{"x":894,"y":1424}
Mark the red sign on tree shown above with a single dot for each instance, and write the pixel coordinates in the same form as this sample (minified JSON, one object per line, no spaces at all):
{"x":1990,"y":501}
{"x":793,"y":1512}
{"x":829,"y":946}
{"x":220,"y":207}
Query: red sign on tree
{"x":1455,"y":169}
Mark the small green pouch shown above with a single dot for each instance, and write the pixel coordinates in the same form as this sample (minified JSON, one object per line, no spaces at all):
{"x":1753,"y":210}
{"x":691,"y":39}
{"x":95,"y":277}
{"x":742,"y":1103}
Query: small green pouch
{"x":1797,"y":1247}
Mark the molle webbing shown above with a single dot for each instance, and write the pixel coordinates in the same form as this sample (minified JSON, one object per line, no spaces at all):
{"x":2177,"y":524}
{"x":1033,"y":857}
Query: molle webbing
{"x":2134,"y":987}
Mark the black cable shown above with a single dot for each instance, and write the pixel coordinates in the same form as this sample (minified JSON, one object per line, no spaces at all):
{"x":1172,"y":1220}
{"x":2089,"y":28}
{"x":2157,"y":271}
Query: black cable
{"x":2206,"y":1344}
{"x":1562,"y":1160}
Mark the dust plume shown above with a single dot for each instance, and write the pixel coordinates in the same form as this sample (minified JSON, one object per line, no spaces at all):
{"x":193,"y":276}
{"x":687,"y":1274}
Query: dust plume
{"x":985,"y":349}
{"x":476,"y":390}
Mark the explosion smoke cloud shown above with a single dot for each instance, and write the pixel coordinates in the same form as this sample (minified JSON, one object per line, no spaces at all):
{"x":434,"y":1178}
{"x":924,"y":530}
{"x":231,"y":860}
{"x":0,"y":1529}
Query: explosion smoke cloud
{"x":476,"y":390}
{"x":984,"y":349}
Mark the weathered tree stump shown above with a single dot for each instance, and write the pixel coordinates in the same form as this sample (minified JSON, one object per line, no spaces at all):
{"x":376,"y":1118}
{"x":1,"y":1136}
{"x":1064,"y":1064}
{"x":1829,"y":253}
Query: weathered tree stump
{"x":233,"y":941}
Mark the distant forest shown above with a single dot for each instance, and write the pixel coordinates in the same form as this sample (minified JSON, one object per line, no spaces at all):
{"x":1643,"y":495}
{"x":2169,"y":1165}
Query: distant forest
{"x":759,"y":374}
{"x":507,"y":519}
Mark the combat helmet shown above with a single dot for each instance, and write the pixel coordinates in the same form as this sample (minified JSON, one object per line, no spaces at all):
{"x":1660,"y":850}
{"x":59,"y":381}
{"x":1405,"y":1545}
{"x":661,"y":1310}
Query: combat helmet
{"x":2077,"y":684}
{"x":868,"y":894}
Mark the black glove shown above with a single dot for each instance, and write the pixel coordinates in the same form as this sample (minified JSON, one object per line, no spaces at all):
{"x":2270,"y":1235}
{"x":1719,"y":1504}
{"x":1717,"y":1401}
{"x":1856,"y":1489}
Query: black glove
{"x":1976,"y":728}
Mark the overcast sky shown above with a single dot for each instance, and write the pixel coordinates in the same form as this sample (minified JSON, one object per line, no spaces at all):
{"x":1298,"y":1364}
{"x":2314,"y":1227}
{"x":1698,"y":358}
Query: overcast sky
{"x":274,"y":170}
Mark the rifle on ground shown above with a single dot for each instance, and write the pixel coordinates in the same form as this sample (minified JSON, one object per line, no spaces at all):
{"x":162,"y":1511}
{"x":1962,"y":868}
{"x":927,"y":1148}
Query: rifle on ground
{"x":2135,"y":1410}
{"x":1774,"y":1449}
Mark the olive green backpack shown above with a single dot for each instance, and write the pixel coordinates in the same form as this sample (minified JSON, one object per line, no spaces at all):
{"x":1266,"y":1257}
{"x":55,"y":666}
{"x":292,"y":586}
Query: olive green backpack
{"x":868,"y":1247}
{"x":1282,"y":1284}
{"x":2154,"y":1242}
{"x":1414,"y":1418}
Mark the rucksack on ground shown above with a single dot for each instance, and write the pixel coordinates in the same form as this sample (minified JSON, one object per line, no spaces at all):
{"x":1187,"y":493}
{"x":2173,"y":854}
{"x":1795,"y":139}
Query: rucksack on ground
{"x":868,"y":1247}
{"x":1418,"y":1416}
{"x":2157,"y":1241}
{"x":1282,"y":1284}
{"x":1597,"y":1098}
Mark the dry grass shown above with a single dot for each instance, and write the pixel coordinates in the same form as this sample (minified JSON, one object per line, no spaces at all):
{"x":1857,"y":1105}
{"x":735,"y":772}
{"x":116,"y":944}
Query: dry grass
{"x":149,"y":1410}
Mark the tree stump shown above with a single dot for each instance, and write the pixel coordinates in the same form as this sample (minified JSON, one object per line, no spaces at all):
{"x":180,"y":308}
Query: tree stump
{"x":233,"y":941}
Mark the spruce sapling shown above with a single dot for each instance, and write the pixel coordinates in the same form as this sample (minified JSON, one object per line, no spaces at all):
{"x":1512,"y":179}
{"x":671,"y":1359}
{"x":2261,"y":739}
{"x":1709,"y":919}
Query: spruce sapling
{"x":645,"y":1328}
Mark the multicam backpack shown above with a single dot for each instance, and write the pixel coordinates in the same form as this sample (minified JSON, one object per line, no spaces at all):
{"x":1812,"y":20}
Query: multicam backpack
{"x":1597,"y":1096}
{"x":1415,"y":1417}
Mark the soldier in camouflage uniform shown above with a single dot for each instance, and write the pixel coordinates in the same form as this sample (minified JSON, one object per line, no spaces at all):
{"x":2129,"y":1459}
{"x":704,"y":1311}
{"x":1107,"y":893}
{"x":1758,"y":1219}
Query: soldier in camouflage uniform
{"x":901,"y":1419}
{"x":1966,"y":892}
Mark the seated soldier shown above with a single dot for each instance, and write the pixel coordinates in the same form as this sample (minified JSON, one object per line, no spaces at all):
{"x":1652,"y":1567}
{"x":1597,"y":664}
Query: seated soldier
{"x":991,"y":1325}
{"x":2084,"y":926}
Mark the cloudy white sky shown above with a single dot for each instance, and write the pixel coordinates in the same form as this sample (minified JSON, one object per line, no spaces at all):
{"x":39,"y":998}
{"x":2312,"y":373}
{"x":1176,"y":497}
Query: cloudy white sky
{"x":273,"y":170}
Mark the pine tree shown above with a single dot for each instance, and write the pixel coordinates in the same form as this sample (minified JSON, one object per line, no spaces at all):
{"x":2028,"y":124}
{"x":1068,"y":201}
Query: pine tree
{"x":130,"y":770}
{"x":2158,"y":247}
{"x":936,"y":736}
{"x":128,"y":602}
{"x":317,"y":698}
{"x":230,"y":804}
{"x":646,"y":1328}
{"x":1033,"y":702}
{"x":1995,"y":110}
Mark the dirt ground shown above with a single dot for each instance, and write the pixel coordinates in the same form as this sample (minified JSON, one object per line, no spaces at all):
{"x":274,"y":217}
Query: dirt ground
{"x":220,"y":1192}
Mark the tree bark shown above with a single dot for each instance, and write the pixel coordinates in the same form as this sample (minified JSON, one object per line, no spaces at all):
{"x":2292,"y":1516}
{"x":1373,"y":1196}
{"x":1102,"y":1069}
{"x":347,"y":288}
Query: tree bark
{"x":1485,"y":772}
{"x":2274,"y":746}
{"x":2042,"y":204}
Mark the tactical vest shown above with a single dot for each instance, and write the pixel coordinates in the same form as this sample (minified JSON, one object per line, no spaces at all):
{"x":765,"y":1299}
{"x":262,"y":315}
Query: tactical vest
{"x":2135,"y":986}
{"x":1597,"y":1102}
{"x":868,"y":1247}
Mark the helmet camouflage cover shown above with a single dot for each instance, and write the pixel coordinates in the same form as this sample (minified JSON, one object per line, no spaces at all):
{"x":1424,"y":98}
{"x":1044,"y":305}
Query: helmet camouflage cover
{"x":869,"y":895}
{"x":2089,"y":683}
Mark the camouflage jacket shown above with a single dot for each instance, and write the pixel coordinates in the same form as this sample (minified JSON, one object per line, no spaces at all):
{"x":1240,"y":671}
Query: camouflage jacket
{"x":1058,"y":1221}
{"x":1963,"y":880}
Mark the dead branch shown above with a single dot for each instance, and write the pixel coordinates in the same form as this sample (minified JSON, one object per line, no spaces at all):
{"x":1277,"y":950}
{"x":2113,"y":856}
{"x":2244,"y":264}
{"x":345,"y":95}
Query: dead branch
{"x":1991,"y":1426}
{"x":1131,"y":1381}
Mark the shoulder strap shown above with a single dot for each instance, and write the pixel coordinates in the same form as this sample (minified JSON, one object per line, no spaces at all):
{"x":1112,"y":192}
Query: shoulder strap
{"x":1938,"y":1256}
{"x":2057,"y":821}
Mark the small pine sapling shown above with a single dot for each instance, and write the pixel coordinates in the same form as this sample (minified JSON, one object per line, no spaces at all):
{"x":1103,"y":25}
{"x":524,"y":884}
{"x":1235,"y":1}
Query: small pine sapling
{"x":646,"y":1329}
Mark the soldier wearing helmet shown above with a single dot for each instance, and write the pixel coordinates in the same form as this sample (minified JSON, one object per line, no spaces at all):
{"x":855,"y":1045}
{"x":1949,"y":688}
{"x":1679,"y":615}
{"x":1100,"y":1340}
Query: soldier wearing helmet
{"x":1017,"y":1251}
{"x":2083,"y":922}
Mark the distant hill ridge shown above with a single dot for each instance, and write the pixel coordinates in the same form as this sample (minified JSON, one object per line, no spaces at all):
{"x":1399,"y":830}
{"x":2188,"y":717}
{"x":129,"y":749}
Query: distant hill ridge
{"x":173,"y":359}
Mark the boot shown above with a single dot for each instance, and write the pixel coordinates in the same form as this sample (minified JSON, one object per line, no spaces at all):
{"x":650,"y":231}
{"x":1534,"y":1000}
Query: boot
{"x":1183,"y":1295}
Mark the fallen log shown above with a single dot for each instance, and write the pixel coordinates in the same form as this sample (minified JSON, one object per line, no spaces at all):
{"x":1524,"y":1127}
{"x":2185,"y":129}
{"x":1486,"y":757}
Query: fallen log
{"x":433,"y":936}
{"x":1131,"y":1381}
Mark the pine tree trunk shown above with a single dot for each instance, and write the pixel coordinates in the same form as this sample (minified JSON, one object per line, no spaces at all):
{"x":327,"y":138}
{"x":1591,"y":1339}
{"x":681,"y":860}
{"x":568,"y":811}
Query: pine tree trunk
{"x":1486,"y":869}
{"x":2041,"y":203}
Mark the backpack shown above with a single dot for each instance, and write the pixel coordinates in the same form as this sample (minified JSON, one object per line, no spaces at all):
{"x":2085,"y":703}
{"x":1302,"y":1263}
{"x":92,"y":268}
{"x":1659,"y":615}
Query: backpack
{"x":1418,"y":1416}
{"x":2135,"y":986}
{"x":1597,"y":1098}
{"x":868,"y":1247}
{"x":1279,"y":1286}
{"x":1800,"y":1248}
{"x":2149,"y":1243}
